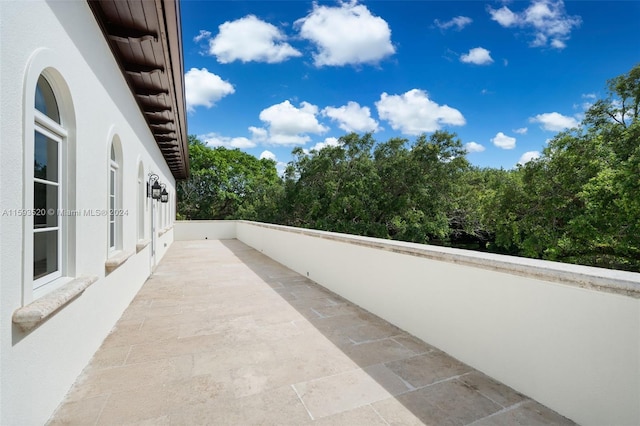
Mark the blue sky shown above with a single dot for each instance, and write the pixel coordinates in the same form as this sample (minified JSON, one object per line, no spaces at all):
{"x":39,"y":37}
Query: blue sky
{"x":506,"y":76}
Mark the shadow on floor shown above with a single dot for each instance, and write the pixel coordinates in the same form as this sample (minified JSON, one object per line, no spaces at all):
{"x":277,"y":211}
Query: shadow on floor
{"x":221,"y":334}
{"x":433,"y":386}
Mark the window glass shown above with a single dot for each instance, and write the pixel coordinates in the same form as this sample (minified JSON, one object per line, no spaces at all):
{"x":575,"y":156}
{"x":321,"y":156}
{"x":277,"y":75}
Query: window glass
{"x":45,"y":253}
{"x":47,"y":228}
{"x":46,"y":158}
{"x":45,"y":205}
{"x":46,"y":100}
{"x":112,"y":234}
{"x":112,"y":206}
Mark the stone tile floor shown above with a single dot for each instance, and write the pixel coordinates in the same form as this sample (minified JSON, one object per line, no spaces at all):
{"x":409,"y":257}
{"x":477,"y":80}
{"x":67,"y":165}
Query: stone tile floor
{"x":221,"y":334}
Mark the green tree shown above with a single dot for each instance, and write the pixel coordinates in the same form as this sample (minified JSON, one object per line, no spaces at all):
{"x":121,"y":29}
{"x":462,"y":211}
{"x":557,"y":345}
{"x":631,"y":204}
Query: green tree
{"x":227,"y":184}
{"x":388,"y":190}
{"x":333,"y":188}
{"x":579,"y":201}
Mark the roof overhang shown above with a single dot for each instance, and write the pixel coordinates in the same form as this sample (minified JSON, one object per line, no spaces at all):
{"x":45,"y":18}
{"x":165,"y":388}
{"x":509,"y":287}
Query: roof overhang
{"x":146,"y":40}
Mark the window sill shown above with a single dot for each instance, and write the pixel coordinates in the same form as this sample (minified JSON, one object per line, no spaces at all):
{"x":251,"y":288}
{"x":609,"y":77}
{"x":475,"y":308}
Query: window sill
{"x":164,"y":231}
{"x":141,"y":244}
{"x":30,"y":316}
{"x":115,"y":261}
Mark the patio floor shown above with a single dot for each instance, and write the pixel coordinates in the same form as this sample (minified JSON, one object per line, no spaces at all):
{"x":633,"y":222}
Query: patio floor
{"x":221,"y":334}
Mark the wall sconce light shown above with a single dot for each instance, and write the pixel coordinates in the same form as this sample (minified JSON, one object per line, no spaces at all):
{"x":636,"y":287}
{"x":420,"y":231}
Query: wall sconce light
{"x":153,"y":187}
{"x":164,"y":195}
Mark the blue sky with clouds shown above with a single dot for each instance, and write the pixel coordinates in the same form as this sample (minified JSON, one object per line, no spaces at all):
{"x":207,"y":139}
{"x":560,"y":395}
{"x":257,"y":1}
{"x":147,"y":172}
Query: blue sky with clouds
{"x":506,"y":76}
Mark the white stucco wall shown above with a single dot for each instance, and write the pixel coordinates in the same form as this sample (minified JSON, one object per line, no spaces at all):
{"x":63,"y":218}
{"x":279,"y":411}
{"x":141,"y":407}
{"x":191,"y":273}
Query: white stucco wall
{"x":573,"y":348}
{"x":38,"y":367}
{"x":205,"y":230}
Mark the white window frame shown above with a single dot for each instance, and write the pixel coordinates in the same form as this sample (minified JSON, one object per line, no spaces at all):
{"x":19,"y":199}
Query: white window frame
{"x":113,"y":201}
{"x":57,"y":133}
{"x":50,"y":65}
{"x":141,"y":211}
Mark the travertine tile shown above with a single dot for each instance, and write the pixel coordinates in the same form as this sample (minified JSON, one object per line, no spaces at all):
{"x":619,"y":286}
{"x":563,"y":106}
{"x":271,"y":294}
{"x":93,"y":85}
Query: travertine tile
{"x":378,"y":351}
{"x":147,"y":403}
{"x":277,"y":407}
{"x":93,"y":383}
{"x":413,"y":343}
{"x":423,"y":370}
{"x":170,"y":348}
{"x":364,"y":415}
{"x":395,"y":413}
{"x":135,"y":335}
{"x":79,"y":412}
{"x":528,"y":413}
{"x":340,"y":322}
{"x":370,"y":332}
{"x":335,"y":394}
{"x":388,"y":379}
{"x":448,"y":403}
{"x":222,"y":335}
{"x":107,"y":357}
{"x":495,"y":391}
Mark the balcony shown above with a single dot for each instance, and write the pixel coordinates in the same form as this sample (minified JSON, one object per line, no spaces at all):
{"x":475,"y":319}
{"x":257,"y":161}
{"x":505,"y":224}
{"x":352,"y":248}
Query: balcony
{"x":224,"y":332}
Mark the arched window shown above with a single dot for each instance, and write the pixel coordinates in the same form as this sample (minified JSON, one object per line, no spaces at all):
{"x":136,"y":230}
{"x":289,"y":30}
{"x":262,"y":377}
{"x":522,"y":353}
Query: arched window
{"x":115,"y":196}
{"x":49,"y":136}
{"x":141,"y":202}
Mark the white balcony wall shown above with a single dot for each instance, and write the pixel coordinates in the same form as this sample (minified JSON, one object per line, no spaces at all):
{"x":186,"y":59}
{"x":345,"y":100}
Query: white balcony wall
{"x":205,"y":230}
{"x":565,"y":335}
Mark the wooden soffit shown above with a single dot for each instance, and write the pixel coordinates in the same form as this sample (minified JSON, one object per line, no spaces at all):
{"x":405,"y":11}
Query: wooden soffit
{"x":145,"y":37}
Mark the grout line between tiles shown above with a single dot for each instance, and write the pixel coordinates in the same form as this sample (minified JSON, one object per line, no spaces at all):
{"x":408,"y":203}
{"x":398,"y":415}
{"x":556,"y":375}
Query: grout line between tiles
{"x":380,"y":415}
{"x":302,"y":402}
{"x":504,"y":410}
{"x":106,"y":401}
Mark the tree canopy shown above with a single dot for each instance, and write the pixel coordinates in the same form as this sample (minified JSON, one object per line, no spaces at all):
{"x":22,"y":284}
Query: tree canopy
{"x":227,"y":184}
{"x":579,"y":202}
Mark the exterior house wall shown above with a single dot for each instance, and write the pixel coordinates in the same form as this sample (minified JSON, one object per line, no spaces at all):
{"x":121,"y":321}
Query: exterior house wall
{"x":37,"y":367}
{"x":565,"y":335}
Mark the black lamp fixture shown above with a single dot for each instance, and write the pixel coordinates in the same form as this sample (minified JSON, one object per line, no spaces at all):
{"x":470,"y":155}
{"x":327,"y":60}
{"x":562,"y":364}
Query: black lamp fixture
{"x":153,"y":187}
{"x":164,"y":195}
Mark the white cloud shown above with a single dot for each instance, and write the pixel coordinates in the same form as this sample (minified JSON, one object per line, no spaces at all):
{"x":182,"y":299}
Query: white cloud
{"x":280,"y":165}
{"x":214,"y":139}
{"x":203,"y":88}
{"x":203,"y":35}
{"x":259,"y":134}
{"x":352,"y":118}
{"x":503,"y":141}
{"x":288,"y":125}
{"x":504,"y":16}
{"x":478,"y":56}
{"x":474,"y":147}
{"x":554,"y":121}
{"x":547,"y":19}
{"x":413,"y":112}
{"x":347,"y":34}
{"x":268,"y":155}
{"x":528,"y":156}
{"x":521,"y":131}
{"x":588,"y":103}
{"x":250,"y":39}
{"x":320,"y":145}
{"x":459,"y":22}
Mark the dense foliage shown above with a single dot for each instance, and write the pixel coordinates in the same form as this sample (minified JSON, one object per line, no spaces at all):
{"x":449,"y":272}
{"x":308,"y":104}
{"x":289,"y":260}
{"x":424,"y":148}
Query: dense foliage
{"x":579,"y":202}
{"x":227,"y":184}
